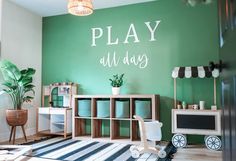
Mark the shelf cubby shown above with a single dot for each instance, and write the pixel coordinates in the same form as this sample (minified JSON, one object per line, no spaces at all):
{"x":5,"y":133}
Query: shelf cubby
{"x":120,"y":108}
{"x":83,"y":108}
{"x":82,"y":127}
{"x":120,"y":129}
{"x":142,"y":107}
{"x":101,"y":108}
{"x":101,"y":128}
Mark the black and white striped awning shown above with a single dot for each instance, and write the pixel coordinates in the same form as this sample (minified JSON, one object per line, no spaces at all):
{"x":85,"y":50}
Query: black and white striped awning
{"x":195,"y":72}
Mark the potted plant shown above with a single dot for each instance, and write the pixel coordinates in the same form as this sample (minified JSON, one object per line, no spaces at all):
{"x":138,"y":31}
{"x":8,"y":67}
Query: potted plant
{"x":116,"y":83}
{"x":17,"y":84}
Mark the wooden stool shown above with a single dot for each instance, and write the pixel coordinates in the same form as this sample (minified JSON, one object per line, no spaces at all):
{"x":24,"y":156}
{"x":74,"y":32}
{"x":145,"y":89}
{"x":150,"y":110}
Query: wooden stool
{"x":13,"y":131}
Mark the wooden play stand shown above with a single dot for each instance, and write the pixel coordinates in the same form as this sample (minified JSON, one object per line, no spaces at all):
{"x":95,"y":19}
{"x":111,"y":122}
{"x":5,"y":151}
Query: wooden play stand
{"x":56,"y":120}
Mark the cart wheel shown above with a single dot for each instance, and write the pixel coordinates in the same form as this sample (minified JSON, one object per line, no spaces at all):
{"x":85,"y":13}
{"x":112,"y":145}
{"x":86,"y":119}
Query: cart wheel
{"x":213,"y":143}
{"x":135,"y":153}
{"x":162,"y":153}
{"x":179,"y":140}
{"x":205,"y":137}
{"x":133,"y":147}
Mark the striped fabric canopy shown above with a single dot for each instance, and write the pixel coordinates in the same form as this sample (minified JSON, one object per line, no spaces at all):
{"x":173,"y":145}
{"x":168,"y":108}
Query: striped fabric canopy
{"x":195,"y":72}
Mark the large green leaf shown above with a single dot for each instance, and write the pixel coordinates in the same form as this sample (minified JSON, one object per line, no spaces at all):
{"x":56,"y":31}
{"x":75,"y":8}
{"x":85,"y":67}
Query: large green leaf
{"x":25,"y":81}
{"x":30,"y":86}
{"x":9,"y":85}
{"x":28,"y":72}
{"x":9,"y":70}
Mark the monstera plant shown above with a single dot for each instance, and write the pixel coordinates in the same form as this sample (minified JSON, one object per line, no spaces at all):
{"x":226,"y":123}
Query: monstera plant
{"x":17,"y":84}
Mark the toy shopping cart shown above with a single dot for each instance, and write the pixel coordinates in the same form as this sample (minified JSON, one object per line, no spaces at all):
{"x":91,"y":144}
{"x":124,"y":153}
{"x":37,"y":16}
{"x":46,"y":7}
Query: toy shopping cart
{"x":148,"y":131}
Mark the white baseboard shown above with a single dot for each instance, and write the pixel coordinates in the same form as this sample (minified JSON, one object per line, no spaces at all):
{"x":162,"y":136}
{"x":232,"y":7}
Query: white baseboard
{"x":19,"y":133}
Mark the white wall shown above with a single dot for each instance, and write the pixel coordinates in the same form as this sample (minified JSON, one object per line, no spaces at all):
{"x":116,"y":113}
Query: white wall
{"x":22,"y":45}
{"x":0,"y":21}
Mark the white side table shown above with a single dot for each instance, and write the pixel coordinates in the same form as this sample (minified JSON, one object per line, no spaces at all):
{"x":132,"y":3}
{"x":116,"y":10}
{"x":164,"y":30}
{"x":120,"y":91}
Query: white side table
{"x":54,"y":121}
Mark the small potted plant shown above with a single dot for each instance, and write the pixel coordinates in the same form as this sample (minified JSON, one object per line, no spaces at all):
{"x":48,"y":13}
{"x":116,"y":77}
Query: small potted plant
{"x":116,"y":83}
{"x":17,"y":84}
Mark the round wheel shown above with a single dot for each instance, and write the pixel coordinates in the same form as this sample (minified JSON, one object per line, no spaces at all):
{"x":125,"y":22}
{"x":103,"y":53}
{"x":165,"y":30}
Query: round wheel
{"x":213,"y":143}
{"x":162,"y":154}
{"x":133,"y":147}
{"x":135,"y":153}
{"x":205,"y":137}
{"x":179,"y":140}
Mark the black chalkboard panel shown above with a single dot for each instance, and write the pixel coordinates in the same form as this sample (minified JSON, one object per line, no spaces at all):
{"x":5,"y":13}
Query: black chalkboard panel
{"x":196,"y":122}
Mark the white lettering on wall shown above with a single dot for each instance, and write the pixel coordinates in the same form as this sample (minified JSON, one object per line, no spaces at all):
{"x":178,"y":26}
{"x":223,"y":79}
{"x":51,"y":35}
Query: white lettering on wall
{"x":96,"y":35}
{"x":109,"y":37}
{"x":112,"y":60}
{"x":152,"y":31}
{"x":131,"y":33}
{"x":131,"y":36}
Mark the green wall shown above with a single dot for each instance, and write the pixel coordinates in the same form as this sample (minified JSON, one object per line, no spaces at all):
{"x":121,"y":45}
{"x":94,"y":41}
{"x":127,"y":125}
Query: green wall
{"x":186,"y":36}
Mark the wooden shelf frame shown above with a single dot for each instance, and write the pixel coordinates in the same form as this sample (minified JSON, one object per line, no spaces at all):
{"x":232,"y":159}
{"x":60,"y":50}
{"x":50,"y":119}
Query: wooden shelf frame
{"x":78,"y":123}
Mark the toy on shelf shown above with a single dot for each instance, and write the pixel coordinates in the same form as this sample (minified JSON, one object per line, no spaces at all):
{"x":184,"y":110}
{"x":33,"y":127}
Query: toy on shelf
{"x":59,"y":94}
{"x":148,"y":131}
{"x":196,"y":122}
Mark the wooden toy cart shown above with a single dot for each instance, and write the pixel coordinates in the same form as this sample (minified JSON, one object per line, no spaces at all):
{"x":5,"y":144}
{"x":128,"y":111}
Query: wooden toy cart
{"x":196,"y":122}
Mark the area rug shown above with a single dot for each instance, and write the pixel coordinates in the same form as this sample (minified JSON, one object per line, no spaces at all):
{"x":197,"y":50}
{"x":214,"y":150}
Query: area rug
{"x":76,"y":150}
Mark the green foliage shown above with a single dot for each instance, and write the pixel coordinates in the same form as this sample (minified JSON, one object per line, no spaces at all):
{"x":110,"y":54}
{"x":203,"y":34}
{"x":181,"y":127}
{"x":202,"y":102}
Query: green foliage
{"x":117,"y":81}
{"x":18,"y":83}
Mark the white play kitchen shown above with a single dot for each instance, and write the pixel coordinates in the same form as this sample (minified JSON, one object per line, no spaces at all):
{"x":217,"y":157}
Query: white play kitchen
{"x":194,"y":120}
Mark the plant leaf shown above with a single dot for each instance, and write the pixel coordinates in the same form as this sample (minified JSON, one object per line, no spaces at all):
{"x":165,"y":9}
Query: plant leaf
{"x":25,"y":81}
{"x":28,"y":72}
{"x":9,"y":71}
{"x":28,"y":90}
{"x":29,"y":86}
{"x":27,"y":98}
{"x":9,"y":85}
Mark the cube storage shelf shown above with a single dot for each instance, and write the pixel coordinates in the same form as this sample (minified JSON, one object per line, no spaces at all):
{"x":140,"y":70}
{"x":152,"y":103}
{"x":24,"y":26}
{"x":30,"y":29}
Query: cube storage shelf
{"x":110,"y":116}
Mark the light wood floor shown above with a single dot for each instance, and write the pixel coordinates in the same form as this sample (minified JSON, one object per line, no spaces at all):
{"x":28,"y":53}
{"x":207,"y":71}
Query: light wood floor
{"x":191,"y":153}
{"x":197,"y":153}
{"x":22,"y":140}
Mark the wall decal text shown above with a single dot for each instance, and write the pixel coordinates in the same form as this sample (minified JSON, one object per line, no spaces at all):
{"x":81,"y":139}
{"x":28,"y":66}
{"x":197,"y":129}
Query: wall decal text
{"x":111,"y":59}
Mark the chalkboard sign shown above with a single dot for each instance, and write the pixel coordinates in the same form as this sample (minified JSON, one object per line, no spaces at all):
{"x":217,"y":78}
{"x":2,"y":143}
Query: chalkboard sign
{"x":204,"y":122}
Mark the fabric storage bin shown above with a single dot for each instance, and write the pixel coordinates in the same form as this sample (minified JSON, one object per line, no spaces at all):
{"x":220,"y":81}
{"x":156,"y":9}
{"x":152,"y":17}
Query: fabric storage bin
{"x":84,"y":108}
{"x":122,"y":109}
{"x":103,"y":108}
{"x":143,"y":108}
